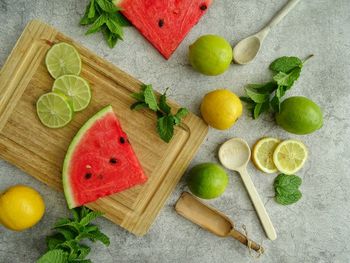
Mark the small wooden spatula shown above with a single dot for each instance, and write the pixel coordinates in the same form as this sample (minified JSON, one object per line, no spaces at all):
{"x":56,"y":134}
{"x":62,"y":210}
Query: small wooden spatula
{"x":212,"y":220}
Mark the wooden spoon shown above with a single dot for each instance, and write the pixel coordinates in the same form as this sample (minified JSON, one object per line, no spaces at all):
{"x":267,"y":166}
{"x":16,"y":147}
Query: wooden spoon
{"x":210,"y":219}
{"x":235,"y":155}
{"x":247,"y":49}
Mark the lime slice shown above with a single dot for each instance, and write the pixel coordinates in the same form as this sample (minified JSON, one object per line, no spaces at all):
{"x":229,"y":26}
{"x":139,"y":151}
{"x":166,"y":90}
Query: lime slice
{"x":63,"y":59}
{"x":53,"y":110}
{"x":290,"y":156}
{"x":75,"y":88}
{"x":263,"y":154}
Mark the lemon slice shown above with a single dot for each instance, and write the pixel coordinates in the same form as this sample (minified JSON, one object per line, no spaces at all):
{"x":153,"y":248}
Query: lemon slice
{"x":75,"y":88}
{"x":53,"y":110}
{"x":263,"y":154}
{"x":290,"y":156}
{"x":63,"y":59}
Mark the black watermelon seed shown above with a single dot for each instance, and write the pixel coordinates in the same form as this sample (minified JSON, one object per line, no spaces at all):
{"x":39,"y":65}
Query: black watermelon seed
{"x":122,"y":140}
{"x":161,"y":22}
{"x":113,"y":160}
{"x":203,"y":7}
{"x":88,"y":176}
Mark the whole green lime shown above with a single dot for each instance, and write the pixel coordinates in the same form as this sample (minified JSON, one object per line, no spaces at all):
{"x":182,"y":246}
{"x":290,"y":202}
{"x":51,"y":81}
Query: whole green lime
{"x":299,"y":115}
{"x":207,"y":180}
{"x":211,"y":55}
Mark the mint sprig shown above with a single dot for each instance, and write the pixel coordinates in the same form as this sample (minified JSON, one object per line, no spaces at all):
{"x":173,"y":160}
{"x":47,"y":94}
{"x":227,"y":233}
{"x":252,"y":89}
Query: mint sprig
{"x":104,"y":16}
{"x":267,"y":96}
{"x":146,"y":99}
{"x":64,"y":246}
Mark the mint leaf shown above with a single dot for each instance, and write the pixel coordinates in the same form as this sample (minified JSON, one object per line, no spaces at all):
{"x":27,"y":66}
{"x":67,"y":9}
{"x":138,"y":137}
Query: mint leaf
{"x":150,"y":98}
{"x":139,"y":106}
{"x":264,"y":87}
{"x":275,"y":104}
{"x":246,"y":100}
{"x":62,"y":222}
{"x":165,"y":127}
{"x":54,"y":240}
{"x":163,"y":105}
{"x":260,"y":108}
{"x":75,"y":214}
{"x":92,"y":11}
{"x":286,"y":64}
{"x":288,"y":199}
{"x":90,"y":217}
{"x":83,"y":211}
{"x":54,"y":256}
{"x":122,"y":20}
{"x":181,"y":113}
{"x":286,"y":188}
{"x":114,"y":27}
{"x":256,"y":96}
{"x":83,"y":251}
{"x":96,"y":26}
{"x":110,"y":38}
{"x":97,"y":235}
{"x":284,"y":79}
{"x":107,"y":6}
{"x":66,"y":232}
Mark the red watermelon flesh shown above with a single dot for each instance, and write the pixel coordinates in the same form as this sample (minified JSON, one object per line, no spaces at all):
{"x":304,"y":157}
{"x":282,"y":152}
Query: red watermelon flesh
{"x":100,"y":161}
{"x":165,"y":23}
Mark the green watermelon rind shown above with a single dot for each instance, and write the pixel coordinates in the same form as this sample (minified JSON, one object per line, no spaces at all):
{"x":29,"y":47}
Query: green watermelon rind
{"x":75,"y":142}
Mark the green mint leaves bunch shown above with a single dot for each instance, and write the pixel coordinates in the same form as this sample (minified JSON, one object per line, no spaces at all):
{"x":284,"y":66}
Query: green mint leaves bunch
{"x":267,"y":96}
{"x":65,"y":245}
{"x":104,"y":16}
{"x":287,"y":189}
{"x":146,"y":99}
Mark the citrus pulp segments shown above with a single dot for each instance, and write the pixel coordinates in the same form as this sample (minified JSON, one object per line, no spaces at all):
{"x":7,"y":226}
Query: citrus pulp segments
{"x":75,"y":88}
{"x":53,"y":110}
{"x":263,"y":154}
{"x":63,"y":59}
{"x":290,"y":156}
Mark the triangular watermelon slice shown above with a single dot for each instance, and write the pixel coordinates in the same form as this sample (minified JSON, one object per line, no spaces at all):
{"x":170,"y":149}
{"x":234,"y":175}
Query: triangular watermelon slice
{"x":100,"y":161}
{"x":165,"y":23}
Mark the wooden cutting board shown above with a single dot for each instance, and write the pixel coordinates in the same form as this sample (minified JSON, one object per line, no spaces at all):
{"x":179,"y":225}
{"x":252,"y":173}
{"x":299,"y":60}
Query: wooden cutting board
{"x":39,"y":151}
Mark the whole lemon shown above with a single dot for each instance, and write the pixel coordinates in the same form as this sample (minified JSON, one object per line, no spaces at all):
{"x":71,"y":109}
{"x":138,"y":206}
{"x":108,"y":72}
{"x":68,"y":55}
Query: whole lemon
{"x":221,"y":108}
{"x":21,"y":207}
{"x":211,"y":55}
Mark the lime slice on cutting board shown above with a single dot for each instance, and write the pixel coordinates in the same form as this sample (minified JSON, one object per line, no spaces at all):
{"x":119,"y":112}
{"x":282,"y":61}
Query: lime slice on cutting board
{"x":75,"y":88}
{"x":54,"y":110}
{"x":63,"y":59}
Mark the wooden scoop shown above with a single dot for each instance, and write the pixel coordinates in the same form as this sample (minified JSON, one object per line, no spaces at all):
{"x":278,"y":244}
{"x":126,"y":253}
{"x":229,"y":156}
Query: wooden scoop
{"x":210,"y":219}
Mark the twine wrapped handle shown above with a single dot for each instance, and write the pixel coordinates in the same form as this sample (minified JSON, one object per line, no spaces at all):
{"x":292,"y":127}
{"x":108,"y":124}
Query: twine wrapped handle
{"x":244,"y":239}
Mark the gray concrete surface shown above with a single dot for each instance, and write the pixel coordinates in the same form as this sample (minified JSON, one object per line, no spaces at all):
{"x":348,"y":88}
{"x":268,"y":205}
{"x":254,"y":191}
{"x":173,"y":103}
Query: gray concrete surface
{"x":316,"y":229}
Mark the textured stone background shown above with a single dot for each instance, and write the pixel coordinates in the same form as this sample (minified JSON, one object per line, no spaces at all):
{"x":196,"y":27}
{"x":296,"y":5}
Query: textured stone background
{"x":316,"y":229}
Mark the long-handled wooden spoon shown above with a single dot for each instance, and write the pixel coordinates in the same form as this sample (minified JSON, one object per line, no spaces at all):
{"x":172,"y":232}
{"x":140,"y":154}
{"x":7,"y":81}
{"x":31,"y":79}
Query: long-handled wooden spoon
{"x":235,"y":155}
{"x":247,"y":49}
{"x":210,"y":219}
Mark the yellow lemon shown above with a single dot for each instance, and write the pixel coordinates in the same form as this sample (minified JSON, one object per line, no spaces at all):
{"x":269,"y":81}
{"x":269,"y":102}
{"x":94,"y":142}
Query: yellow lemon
{"x":21,"y":207}
{"x":221,"y":108}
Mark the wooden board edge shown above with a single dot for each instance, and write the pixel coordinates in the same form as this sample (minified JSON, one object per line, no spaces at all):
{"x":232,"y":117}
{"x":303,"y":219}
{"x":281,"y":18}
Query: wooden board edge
{"x":140,"y":224}
{"x":21,"y":66}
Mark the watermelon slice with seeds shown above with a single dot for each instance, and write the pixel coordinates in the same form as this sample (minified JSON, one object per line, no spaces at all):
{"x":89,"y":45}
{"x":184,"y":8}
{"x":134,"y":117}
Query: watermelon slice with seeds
{"x":165,"y":23}
{"x":100,"y":161}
